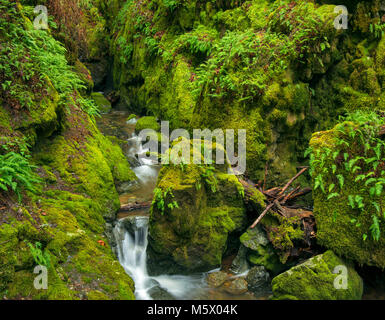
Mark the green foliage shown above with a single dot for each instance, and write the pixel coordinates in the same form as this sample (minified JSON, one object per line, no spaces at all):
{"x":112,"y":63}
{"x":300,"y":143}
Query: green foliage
{"x":125,"y":49}
{"x":377,"y":29}
{"x":243,"y":63}
{"x":160,"y":200}
{"x":171,"y":4}
{"x":208,"y":176}
{"x":16,"y":173}
{"x":89,"y":106}
{"x":198,"y":42}
{"x":41,"y":257}
{"x":360,"y":158}
{"x":29,"y":59}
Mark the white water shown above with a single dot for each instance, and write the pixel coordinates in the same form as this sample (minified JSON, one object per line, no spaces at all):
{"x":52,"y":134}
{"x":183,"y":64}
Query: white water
{"x":132,"y":256}
{"x":132,"y":244}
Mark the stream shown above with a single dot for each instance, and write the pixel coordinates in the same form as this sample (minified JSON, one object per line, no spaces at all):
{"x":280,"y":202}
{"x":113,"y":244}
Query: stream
{"x":131,"y":229}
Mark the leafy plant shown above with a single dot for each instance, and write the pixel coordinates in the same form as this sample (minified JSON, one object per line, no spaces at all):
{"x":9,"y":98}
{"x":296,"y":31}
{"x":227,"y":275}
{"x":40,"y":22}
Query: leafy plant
{"x":359,"y":158}
{"x":41,"y":257}
{"x":208,"y":175}
{"x":16,"y":174}
{"x":160,"y":200}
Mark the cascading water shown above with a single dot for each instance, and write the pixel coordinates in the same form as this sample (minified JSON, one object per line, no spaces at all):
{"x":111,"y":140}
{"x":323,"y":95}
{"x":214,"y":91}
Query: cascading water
{"x":132,"y":253}
{"x":131,"y":230}
{"x":131,"y":235}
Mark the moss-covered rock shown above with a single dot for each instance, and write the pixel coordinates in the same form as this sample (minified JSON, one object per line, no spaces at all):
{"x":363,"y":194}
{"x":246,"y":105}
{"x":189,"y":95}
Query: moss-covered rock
{"x":103,"y":104}
{"x":315,"y":279}
{"x":343,"y":224}
{"x":192,"y":236}
{"x":147,"y":123}
{"x":61,"y":223}
{"x":260,"y":251}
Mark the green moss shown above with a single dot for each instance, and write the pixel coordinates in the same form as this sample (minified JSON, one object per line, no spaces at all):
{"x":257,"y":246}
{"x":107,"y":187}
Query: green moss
{"x":80,"y":168}
{"x":333,"y":217}
{"x":103,"y":104}
{"x":131,"y":116}
{"x":84,"y":74}
{"x":147,"y":123}
{"x":314,"y":280}
{"x":193,"y":237}
{"x":260,"y":251}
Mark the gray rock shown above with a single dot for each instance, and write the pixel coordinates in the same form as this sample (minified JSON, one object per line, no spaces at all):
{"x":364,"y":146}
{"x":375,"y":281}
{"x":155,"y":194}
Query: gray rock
{"x":237,"y":286}
{"x":158,"y":293}
{"x":134,"y":223}
{"x":258,"y":280}
{"x":240,"y":263}
{"x":253,"y":238}
{"x":125,"y":187}
{"x":216,"y":279}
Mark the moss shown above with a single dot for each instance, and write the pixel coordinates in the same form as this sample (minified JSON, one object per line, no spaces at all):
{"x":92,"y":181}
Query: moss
{"x":85,"y":75}
{"x":103,"y":104}
{"x":333,"y":217}
{"x":147,"y":123}
{"x":131,"y":116}
{"x":80,"y":168}
{"x":314,"y":280}
{"x":194,"y":236}
{"x":259,"y":250}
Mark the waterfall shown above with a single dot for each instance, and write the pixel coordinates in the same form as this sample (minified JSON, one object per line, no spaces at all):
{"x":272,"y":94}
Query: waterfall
{"x":132,"y":253}
{"x":131,"y":235}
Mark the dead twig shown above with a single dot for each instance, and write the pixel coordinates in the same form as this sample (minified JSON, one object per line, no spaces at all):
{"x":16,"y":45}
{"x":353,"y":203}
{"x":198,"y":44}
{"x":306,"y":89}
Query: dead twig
{"x":262,"y":215}
{"x":293,"y":179}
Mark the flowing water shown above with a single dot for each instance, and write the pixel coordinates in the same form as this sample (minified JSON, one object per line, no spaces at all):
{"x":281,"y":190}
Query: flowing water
{"x":131,"y":229}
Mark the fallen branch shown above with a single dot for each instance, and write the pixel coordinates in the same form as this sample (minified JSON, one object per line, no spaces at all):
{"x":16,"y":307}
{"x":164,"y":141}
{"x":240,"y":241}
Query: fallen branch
{"x":278,"y":198}
{"x":293,"y":179}
{"x":262,"y":215}
{"x":301,"y":193}
{"x":135,"y":206}
{"x":289,"y":195}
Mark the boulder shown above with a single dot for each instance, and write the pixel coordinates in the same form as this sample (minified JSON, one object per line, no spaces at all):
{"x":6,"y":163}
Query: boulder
{"x":258,"y":280}
{"x":193,"y":235}
{"x":240,"y":263}
{"x":147,"y":123}
{"x":235,"y":287}
{"x":260,"y":251}
{"x":319,"y":278}
{"x":216,"y":279}
{"x":341,"y":225}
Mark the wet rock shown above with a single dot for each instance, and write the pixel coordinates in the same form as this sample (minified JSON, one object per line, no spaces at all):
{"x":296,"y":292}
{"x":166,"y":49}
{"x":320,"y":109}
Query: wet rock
{"x":258,"y":280}
{"x":134,"y":223}
{"x":237,"y":286}
{"x":216,"y":279}
{"x":240,"y":263}
{"x":133,"y":161}
{"x":158,"y":293}
{"x":125,"y":187}
{"x":254,"y":238}
{"x":261,"y":251}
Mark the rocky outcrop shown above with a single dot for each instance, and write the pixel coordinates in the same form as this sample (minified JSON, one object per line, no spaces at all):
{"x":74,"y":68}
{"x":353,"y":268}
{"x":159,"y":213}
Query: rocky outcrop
{"x":195,"y":209}
{"x":59,"y":222}
{"x":348,"y":182}
{"x":319,"y":278}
